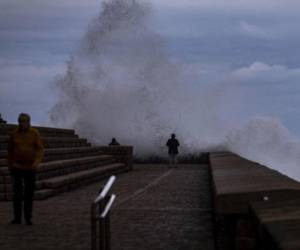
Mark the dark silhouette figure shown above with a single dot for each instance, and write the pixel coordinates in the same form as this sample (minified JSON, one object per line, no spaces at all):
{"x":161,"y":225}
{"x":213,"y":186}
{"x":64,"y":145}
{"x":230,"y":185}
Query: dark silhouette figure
{"x":114,"y":142}
{"x":1,"y":120}
{"x":173,"y":145}
{"x":25,"y":153}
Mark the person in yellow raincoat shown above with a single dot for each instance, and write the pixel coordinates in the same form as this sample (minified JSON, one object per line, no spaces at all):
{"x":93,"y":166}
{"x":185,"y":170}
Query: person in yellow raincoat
{"x":25,"y":153}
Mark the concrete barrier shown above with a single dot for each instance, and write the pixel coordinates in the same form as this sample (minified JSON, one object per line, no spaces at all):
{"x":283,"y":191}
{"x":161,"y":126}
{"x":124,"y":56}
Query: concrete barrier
{"x":122,"y":154}
{"x":237,"y":183}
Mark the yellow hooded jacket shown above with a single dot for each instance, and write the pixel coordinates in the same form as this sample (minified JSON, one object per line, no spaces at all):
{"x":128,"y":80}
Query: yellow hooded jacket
{"x":25,"y":149}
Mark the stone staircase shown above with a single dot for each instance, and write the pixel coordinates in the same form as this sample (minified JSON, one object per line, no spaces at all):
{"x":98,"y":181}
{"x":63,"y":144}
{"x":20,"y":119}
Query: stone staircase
{"x":69,"y":162}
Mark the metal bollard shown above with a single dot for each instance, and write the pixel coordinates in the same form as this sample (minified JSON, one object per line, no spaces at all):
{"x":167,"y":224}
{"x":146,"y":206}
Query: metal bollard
{"x":100,"y":218}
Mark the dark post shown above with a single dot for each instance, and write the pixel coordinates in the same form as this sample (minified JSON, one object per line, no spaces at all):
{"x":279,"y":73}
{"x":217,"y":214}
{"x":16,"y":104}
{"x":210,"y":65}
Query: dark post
{"x":100,"y":222}
{"x":107,"y":231}
{"x":93,"y":228}
{"x":1,"y":120}
{"x":101,"y":228}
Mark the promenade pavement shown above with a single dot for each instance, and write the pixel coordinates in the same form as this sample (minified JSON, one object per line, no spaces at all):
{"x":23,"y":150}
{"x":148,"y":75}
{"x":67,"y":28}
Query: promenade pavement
{"x":157,"y":207}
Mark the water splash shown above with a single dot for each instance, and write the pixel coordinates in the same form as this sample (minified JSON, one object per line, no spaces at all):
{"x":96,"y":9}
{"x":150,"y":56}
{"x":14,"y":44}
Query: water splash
{"x":268,"y":142}
{"x":122,"y":84}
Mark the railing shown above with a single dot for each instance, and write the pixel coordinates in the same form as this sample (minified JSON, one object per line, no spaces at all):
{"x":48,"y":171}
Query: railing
{"x":100,"y":217}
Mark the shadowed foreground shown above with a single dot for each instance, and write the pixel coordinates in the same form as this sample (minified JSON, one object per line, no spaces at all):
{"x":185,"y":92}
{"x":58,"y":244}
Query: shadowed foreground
{"x":156,"y":208}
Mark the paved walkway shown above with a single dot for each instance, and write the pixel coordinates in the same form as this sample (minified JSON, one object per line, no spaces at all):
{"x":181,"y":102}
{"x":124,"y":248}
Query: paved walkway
{"x":156,"y":208}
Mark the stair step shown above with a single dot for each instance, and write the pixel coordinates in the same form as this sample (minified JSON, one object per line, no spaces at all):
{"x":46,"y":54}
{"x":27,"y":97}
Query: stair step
{"x":54,"y":151}
{"x":8,"y":187}
{"x":72,"y":181}
{"x":4,"y":139}
{"x":48,"y":169}
{"x":75,"y":168}
{"x":57,"y":182}
{"x":71,"y":162}
{"x":7,"y":128}
{"x":103,"y":160}
{"x":52,"y":142}
{"x":43,"y":194}
{"x":71,"y":153}
{"x":61,"y":153}
{"x":38,"y":195}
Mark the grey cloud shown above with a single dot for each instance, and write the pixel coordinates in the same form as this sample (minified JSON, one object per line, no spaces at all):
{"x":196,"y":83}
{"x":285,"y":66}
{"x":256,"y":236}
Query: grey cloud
{"x":257,"y":31}
{"x":28,"y":90}
{"x":270,"y":90}
{"x":268,"y":73}
{"x":260,"y":6}
{"x":45,"y":16}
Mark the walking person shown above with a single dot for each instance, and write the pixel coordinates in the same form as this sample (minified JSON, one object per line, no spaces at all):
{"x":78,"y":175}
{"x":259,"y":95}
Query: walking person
{"x":25,"y":153}
{"x":173,"y":145}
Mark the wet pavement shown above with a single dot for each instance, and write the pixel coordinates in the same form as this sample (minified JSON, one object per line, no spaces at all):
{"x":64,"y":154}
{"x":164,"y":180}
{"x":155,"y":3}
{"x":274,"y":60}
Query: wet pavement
{"x":157,"y":207}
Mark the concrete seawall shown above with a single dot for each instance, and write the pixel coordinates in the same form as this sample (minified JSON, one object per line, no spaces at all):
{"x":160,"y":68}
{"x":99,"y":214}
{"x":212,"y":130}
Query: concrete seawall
{"x":255,"y":207}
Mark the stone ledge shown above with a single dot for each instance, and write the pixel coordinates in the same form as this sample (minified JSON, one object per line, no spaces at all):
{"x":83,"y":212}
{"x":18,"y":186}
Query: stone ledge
{"x":52,"y":154}
{"x":122,"y":154}
{"x":5,"y":128}
{"x":237,"y":182}
{"x":56,"y":182}
{"x":71,"y":164}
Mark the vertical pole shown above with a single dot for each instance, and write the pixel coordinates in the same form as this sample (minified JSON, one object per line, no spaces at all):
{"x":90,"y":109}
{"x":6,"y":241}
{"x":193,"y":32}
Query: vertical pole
{"x":101,"y":227}
{"x":107,"y":231}
{"x":1,"y":120}
{"x":93,"y":229}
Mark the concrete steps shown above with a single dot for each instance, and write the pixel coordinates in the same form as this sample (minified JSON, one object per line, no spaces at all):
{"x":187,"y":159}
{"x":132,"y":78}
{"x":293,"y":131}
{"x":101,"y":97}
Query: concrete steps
{"x":53,"y":154}
{"x":62,"y":181}
{"x":69,"y":162}
{"x":55,"y":185}
{"x":54,"y":168}
{"x":52,"y":142}
{"x":5,"y":129}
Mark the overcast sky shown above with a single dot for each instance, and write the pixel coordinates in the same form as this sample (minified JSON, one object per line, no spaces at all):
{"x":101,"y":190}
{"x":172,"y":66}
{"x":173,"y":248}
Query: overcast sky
{"x":254,"y":42}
